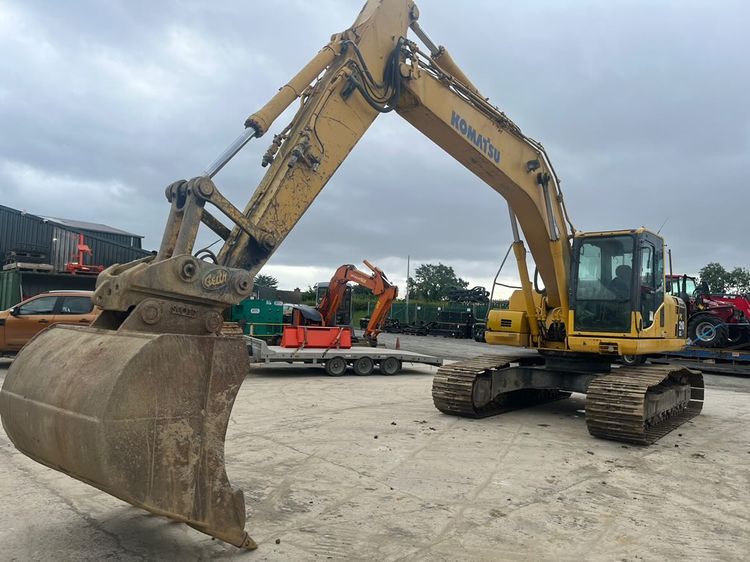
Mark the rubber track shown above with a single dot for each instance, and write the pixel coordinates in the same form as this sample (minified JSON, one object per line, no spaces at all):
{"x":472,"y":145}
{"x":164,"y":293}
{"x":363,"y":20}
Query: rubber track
{"x":615,"y":403}
{"x":453,"y":388}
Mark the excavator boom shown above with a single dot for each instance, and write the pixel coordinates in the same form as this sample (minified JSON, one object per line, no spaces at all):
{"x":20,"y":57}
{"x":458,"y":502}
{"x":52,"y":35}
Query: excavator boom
{"x":142,"y":412}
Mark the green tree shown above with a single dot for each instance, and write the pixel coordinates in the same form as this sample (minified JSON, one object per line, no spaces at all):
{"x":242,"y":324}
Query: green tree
{"x":360,"y":291}
{"x":432,"y":282}
{"x":739,"y":280}
{"x":722,"y":281}
{"x":716,"y":276}
{"x":308,"y":296}
{"x":266,"y":281}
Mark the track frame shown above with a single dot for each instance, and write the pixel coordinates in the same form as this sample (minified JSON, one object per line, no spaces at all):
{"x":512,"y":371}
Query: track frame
{"x":629,"y":404}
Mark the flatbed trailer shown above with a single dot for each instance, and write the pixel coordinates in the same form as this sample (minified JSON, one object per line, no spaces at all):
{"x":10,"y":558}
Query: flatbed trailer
{"x":719,"y":361}
{"x":336,"y":361}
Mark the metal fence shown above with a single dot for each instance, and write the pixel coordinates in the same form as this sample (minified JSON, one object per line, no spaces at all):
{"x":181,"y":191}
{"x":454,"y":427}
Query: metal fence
{"x":429,"y":312}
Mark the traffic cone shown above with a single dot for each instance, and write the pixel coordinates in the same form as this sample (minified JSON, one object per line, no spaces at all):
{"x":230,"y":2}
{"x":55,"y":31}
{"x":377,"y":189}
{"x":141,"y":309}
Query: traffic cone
{"x":398,"y":343}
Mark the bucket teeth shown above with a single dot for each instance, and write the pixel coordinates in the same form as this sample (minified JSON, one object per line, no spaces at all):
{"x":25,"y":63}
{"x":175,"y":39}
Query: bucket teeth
{"x":140,"y":416}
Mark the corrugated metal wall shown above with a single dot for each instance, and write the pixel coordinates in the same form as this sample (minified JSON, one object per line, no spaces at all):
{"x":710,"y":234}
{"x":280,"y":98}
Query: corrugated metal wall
{"x":34,"y":283}
{"x":10,"y":289}
{"x":105,"y":252}
{"x":64,"y":244}
{"x":19,"y":230}
{"x":22,"y":230}
{"x":124,"y":239}
{"x":108,"y":253}
{"x":16,"y":286}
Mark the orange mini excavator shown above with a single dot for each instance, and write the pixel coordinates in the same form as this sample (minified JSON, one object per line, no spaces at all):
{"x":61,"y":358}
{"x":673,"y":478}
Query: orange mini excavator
{"x":316,"y":327}
{"x":377,"y":282}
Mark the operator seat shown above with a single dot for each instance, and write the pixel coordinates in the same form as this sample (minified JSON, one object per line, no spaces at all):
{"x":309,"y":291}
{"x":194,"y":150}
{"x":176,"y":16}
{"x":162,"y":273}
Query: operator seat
{"x":620,"y":285}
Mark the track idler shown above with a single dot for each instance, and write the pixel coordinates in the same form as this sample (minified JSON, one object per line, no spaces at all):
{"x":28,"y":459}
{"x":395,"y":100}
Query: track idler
{"x":140,"y":416}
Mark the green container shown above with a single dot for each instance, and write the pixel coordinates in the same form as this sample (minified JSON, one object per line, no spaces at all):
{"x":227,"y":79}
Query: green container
{"x":10,"y":288}
{"x":261,"y":318}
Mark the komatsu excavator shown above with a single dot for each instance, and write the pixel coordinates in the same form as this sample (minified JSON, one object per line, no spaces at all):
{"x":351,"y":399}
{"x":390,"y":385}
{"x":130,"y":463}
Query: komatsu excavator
{"x":377,"y":282}
{"x":141,"y":409}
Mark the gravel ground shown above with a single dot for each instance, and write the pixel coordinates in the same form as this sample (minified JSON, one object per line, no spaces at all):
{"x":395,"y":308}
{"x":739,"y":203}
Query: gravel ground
{"x":365,"y":468}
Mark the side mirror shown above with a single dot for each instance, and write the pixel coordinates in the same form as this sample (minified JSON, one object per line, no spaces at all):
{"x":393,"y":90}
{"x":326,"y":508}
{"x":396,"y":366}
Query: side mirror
{"x":13,"y":311}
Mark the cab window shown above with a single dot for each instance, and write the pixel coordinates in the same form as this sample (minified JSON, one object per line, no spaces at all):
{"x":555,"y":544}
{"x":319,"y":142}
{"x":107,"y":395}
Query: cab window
{"x":76,"y":305}
{"x":651,"y":282}
{"x":672,"y":287}
{"x":604,"y":284}
{"x":42,"y":305}
{"x":648,"y":284}
{"x":690,"y":287}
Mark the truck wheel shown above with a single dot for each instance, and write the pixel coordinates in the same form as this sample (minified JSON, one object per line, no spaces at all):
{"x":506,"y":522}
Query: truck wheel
{"x":336,"y":366}
{"x":390,"y":366}
{"x":632,"y":360}
{"x":363,"y":366}
{"x":707,"y":331}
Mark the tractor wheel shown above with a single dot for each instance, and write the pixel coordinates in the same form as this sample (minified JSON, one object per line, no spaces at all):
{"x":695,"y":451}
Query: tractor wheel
{"x":707,"y":331}
{"x":363,"y":366}
{"x":336,"y":366}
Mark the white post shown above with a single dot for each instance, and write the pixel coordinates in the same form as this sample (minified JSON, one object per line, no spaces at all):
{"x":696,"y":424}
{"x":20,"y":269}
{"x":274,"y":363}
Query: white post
{"x":407,"y":288}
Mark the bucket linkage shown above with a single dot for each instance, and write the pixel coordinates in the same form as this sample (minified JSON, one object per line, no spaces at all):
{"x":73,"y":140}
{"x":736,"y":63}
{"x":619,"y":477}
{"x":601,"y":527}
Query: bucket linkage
{"x":138,"y":404}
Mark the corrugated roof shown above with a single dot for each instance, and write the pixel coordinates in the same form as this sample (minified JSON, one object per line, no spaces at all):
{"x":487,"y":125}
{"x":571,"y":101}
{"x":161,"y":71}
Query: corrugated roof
{"x":93,"y":226}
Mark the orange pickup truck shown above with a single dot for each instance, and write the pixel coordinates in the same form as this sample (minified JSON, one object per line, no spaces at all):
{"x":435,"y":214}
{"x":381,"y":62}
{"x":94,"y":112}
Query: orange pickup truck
{"x":23,"y":321}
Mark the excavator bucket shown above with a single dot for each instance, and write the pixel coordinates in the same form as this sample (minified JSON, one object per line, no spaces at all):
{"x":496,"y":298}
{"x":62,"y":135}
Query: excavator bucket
{"x":103,"y":407}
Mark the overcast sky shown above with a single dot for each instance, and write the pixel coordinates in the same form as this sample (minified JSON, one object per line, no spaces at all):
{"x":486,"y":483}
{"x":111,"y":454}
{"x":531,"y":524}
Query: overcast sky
{"x":642,"y":106}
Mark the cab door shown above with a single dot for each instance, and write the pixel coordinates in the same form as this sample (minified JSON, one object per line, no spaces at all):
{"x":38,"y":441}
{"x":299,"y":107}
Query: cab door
{"x":29,"y":318}
{"x":651,"y":279}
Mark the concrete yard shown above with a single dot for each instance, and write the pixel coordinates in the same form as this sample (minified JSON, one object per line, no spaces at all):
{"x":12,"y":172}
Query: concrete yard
{"x":365,"y":468}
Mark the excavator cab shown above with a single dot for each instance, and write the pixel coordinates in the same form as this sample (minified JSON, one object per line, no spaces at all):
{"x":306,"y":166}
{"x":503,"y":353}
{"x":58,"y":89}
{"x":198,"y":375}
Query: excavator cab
{"x":617,"y":292}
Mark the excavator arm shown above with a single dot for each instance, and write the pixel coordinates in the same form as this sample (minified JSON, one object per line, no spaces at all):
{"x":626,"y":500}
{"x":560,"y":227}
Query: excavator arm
{"x":377,"y":282}
{"x":369,"y":69}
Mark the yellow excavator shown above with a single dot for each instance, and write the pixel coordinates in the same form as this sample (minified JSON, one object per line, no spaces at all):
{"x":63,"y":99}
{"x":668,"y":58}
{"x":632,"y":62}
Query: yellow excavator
{"x":140,"y":410}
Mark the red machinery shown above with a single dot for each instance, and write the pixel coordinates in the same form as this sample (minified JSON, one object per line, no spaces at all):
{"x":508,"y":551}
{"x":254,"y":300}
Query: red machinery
{"x":327,"y":334}
{"x":77,"y":266}
{"x":377,"y":282}
{"x":714,"y":320}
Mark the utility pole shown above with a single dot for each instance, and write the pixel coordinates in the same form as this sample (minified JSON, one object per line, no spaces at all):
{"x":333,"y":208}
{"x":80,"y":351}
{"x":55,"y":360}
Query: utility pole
{"x":407,"y":288}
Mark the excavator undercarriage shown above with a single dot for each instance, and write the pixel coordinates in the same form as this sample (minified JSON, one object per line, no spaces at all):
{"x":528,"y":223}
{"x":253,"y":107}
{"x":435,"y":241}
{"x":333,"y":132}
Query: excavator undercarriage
{"x":630,"y":404}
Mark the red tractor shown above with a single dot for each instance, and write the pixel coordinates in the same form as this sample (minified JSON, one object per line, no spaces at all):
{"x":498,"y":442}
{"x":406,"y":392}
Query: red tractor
{"x":714,"y":320}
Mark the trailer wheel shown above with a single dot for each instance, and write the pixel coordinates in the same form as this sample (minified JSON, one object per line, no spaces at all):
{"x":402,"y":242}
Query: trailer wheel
{"x":390,"y":366}
{"x":336,"y":366}
{"x":363,"y":366}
